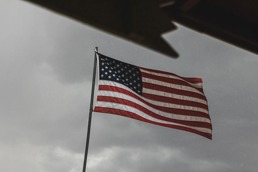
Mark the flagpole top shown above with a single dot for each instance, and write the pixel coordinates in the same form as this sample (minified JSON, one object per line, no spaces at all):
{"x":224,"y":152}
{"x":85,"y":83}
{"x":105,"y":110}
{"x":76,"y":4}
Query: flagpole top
{"x":96,"y":49}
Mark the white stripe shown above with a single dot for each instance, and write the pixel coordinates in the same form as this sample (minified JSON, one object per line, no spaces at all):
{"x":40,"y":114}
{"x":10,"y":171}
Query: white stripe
{"x":196,"y":85}
{"x":176,"y":106}
{"x":175,"y":96}
{"x":170,"y":85}
{"x":158,"y":112}
{"x":143,"y":115}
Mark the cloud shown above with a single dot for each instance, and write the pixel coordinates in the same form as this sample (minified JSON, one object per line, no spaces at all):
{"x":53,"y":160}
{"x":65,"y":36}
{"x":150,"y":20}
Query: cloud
{"x":30,"y":157}
{"x":46,"y":70}
{"x":150,"y":159}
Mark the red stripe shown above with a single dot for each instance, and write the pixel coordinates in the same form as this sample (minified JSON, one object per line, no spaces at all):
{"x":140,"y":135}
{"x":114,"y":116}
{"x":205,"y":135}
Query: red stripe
{"x":174,"y":101}
{"x":172,"y":90}
{"x":164,"y":109}
{"x":170,"y":80}
{"x":135,"y":116}
{"x":191,"y":80}
{"x":152,"y":114}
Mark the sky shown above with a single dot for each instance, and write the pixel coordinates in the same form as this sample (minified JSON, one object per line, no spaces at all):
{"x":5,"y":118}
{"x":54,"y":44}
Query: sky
{"x":46,"y":63}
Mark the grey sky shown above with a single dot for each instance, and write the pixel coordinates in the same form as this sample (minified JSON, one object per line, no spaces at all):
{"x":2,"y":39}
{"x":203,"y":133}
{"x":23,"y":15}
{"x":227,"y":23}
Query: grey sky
{"x":46,"y":63}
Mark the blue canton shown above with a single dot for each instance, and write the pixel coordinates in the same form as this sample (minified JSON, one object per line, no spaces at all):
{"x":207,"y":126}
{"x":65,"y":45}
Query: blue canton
{"x":123,"y":73}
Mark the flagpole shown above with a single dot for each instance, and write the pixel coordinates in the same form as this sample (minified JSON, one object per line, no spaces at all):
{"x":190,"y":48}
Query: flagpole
{"x":90,"y":111}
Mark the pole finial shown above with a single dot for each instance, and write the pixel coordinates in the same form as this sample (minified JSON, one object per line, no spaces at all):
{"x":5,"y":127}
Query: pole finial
{"x":96,"y":49}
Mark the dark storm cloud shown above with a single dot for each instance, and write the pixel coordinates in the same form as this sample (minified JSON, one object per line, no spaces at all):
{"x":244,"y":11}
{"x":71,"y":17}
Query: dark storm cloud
{"x":46,"y":71}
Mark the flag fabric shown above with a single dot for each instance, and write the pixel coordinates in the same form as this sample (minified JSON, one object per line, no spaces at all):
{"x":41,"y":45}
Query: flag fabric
{"x":152,"y":96}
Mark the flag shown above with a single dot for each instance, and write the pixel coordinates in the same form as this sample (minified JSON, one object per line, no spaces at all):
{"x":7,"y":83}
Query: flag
{"x":152,"y":96}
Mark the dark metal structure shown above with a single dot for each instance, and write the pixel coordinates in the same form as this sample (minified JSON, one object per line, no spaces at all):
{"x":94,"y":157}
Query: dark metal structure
{"x":139,"y":21}
{"x":233,"y":21}
{"x":144,"y":21}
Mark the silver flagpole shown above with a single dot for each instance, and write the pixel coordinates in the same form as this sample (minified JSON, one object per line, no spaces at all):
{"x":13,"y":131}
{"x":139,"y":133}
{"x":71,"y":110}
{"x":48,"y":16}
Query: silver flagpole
{"x":90,"y":111}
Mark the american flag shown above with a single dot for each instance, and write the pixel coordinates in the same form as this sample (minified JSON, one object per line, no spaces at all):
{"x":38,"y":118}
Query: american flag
{"x":152,"y":96}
